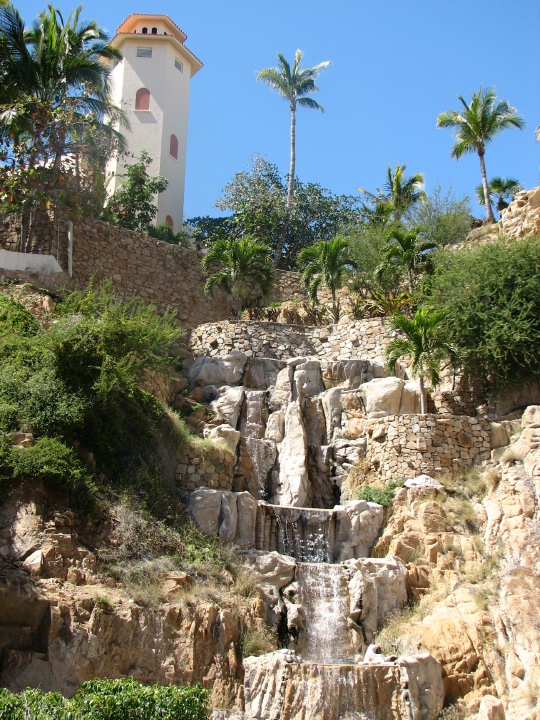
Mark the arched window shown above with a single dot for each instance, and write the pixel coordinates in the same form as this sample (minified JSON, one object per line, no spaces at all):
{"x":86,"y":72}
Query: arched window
{"x":173,"y":147}
{"x":169,"y":221}
{"x":154,"y":31}
{"x":142,"y":99}
{"x":145,"y":31}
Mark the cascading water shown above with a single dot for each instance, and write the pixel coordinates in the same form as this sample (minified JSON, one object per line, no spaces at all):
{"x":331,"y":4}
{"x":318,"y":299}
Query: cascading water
{"x":325,"y":598}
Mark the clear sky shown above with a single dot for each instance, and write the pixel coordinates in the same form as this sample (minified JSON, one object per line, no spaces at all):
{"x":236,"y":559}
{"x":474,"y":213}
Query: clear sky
{"x":396,"y":64}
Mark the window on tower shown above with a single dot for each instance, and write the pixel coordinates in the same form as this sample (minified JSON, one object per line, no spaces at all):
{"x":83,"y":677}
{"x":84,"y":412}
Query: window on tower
{"x":142,"y":99}
{"x":178,"y":65}
{"x":173,"y":147}
{"x":145,"y":52}
{"x":169,"y":221}
{"x":154,"y":31}
{"x":144,"y":31}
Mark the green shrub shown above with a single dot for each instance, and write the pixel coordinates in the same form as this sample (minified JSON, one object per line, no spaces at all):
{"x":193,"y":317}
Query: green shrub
{"x":490,"y":296}
{"x":15,"y":318}
{"x":382,"y":496}
{"x":52,"y":462}
{"x":108,"y":700}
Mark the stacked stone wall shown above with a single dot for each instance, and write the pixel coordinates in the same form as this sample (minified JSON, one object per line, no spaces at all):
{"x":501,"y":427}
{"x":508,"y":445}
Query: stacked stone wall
{"x":361,"y":339}
{"x":522,"y":216}
{"x":408,"y":445}
{"x":197,"y":467}
{"x":165,"y":275}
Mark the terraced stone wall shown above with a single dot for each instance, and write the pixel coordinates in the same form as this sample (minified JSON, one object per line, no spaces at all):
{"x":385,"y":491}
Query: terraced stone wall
{"x":399,"y":445}
{"x":361,"y":339}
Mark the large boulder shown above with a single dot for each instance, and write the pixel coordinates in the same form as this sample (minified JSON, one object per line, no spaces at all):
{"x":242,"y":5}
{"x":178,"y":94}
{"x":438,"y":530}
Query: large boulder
{"x":226,"y":370}
{"x":382,"y":396}
{"x":293,"y":483}
{"x":261,"y":373}
{"x":228,"y":404}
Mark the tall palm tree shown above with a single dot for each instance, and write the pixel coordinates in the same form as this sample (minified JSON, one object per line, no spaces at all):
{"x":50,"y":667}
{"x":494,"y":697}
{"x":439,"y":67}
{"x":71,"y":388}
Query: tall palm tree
{"x":407,"y":250}
{"x":503,"y":188}
{"x":241,"y":268}
{"x":326,"y":262}
{"x":293,"y":84}
{"x":55,"y":79}
{"x":476,"y":125}
{"x":424,"y":339}
{"x":399,"y":191}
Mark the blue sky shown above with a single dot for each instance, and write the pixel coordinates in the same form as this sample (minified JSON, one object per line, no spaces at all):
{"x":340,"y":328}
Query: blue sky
{"x":395,"y":66}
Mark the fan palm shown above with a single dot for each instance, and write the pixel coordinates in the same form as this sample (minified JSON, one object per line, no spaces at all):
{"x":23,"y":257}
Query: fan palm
{"x":476,"y":125}
{"x":503,"y":188}
{"x":407,"y":250}
{"x":399,"y":191}
{"x":293,"y":84}
{"x":423,"y":338}
{"x":55,"y":79}
{"x":326,"y":262}
{"x":241,"y":268}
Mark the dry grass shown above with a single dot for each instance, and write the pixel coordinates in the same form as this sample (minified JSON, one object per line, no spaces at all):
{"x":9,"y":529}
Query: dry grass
{"x":492,"y":478}
{"x":393,"y":637}
{"x":512,"y":454}
{"x":357,"y":477}
{"x":257,"y":641}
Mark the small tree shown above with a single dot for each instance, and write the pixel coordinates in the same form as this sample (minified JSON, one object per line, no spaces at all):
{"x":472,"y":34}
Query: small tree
{"x":400,"y":192}
{"x":424,"y":339}
{"x":327,"y":263}
{"x":406,"y":250}
{"x":241,"y":268}
{"x":503,"y":188}
{"x":133,"y":204}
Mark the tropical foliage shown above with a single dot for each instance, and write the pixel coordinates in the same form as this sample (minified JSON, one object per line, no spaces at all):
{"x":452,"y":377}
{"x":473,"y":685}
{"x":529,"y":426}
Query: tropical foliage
{"x":424,"y":339}
{"x":409,"y":251}
{"x":55,"y":96}
{"x":446,"y":220}
{"x":258,"y":198}
{"x":132,"y":205}
{"x":241,"y":268}
{"x":327,"y":263}
{"x":476,"y":125}
{"x":294,"y":84}
{"x":399,"y":192}
{"x":490,"y":297}
{"x":503,"y":189}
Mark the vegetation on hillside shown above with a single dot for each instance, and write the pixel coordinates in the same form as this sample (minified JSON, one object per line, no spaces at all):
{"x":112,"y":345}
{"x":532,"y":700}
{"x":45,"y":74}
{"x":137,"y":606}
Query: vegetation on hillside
{"x":107,"y":700}
{"x":78,"y":385}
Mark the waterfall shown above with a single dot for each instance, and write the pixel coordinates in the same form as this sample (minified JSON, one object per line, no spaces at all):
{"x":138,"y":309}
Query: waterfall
{"x":307,"y":534}
{"x":325,"y":598}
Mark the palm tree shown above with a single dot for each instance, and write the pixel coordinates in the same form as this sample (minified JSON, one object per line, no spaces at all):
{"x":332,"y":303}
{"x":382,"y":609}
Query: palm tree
{"x":55,"y":80}
{"x":503,"y":188}
{"x":293,"y":84}
{"x":400,"y":192}
{"x":241,"y":268}
{"x":478,"y":124}
{"x":407,"y":250}
{"x":424,"y":339}
{"x":326,"y":262}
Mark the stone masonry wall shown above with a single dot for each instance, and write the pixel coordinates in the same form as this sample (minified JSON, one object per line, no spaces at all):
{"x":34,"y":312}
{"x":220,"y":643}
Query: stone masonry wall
{"x":522,"y":216}
{"x":408,"y":445}
{"x":197,"y":468}
{"x":165,"y":275}
{"x":361,"y":339}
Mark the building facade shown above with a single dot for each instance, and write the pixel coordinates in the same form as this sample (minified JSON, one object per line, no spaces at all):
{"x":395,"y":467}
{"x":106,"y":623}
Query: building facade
{"x":151,"y":84}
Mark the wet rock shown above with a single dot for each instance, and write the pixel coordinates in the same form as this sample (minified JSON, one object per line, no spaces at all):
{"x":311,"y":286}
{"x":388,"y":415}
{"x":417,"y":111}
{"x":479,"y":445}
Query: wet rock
{"x":228,"y":404}
{"x":293,"y":485}
{"x":261,"y":373}
{"x":227,"y":370}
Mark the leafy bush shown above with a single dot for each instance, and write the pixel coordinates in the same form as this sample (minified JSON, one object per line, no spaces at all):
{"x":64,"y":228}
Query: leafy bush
{"x":446,"y":219}
{"x":382,"y":496}
{"x":55,"y":464}
{"x":490,"y":296}
{"x":15,"y":318}
{"x":108,"y":700}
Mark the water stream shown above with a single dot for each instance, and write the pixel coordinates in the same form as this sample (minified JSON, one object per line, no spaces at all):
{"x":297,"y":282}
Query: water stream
{"x":325,"y":598}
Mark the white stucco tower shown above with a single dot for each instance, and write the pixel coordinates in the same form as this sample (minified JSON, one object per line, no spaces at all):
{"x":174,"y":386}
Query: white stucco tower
{"x":151,"y":84}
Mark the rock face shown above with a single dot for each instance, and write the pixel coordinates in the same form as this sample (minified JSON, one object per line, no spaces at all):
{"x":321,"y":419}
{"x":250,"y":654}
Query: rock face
{"x":279,"y":686}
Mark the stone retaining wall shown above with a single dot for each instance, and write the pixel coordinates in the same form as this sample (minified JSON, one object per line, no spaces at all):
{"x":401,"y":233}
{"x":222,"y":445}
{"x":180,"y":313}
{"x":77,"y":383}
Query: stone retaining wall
{"x":165,"y":275}
{"x":197,"y":467}
{"x":522,"y":216}
{"x":408,"y":445}
{"x":360,"y":339}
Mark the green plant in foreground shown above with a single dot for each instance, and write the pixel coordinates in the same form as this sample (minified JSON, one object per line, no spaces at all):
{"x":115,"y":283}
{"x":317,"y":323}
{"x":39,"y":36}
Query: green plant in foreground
{"x":108,"y":700}
{"x":382,"y":496}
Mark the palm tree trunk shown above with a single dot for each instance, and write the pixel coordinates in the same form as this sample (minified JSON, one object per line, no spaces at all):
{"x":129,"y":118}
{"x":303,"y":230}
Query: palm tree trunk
{"x":489,"y":212}
{"x":290,"y":190}
{"x":423,"y":409}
